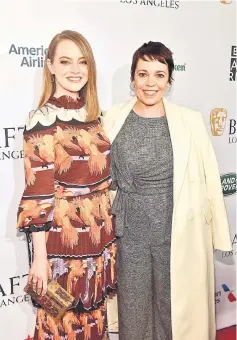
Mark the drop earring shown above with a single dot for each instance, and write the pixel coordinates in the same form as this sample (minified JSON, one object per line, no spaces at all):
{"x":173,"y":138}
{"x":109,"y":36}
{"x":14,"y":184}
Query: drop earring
{"x":132,"y":90}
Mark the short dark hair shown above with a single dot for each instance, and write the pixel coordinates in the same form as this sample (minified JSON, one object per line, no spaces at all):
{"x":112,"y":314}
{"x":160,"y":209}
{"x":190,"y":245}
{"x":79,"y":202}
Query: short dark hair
{"x":153,"y":51}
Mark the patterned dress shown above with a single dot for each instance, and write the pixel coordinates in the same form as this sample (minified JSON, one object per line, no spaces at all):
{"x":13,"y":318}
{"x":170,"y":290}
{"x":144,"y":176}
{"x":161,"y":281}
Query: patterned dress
{"x":67,"y":178}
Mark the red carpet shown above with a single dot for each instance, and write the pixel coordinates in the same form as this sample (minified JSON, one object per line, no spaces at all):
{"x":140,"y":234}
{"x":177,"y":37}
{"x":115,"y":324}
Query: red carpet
{"x":227,"y":334}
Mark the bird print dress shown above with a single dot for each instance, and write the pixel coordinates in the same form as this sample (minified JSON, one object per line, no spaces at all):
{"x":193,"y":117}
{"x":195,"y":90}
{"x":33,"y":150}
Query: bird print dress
{"x":66,"y":195}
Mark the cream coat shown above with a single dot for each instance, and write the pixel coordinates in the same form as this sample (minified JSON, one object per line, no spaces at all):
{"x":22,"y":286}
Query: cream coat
{"x":199,"y":220}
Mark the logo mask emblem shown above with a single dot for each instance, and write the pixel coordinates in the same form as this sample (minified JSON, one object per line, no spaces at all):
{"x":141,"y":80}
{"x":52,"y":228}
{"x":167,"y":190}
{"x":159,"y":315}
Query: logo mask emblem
{"x":218,"y":118}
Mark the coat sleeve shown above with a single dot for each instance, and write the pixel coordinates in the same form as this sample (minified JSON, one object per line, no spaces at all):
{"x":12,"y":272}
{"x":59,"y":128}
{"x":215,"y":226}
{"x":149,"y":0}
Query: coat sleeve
{"x":36,"y":208}
{"x":219,"y":223}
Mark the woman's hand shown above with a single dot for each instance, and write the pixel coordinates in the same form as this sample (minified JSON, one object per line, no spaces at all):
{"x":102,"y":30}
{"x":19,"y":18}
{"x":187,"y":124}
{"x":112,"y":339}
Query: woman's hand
{"x":39,"y":273}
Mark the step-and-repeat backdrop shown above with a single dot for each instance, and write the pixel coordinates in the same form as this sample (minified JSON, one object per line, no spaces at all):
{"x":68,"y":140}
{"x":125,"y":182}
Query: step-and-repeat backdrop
{"x":202,"y":36}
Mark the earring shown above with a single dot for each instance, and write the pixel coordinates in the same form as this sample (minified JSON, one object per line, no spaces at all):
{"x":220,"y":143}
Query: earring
{"x":168,"y":88}
{"x":132,"y":89}
{"x":52,"y":78}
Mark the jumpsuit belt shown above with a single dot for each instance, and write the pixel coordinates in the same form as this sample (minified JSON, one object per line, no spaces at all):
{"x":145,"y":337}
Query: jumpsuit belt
{"x":121,"y":204}
{"x":120,"y":210}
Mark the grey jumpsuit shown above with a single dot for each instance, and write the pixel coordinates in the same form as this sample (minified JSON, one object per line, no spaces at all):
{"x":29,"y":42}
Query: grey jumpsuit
{"x":142,"y":173}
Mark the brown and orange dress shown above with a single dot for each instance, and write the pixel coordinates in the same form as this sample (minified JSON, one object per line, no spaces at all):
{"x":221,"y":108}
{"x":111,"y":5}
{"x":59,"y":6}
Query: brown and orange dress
{"x":66,"y":195}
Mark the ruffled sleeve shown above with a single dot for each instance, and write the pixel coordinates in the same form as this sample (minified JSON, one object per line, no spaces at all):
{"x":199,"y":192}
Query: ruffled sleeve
{"x":36,"y":208}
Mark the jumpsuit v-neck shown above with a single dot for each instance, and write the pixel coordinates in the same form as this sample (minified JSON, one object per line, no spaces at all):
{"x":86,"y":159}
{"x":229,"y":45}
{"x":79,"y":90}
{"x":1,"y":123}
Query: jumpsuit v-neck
{"x":142,"y":173}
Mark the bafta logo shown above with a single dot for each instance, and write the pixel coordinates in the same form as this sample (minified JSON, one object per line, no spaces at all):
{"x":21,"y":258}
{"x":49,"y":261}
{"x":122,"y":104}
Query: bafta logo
{"x":218,"y":121}
{"x":226,"y":2}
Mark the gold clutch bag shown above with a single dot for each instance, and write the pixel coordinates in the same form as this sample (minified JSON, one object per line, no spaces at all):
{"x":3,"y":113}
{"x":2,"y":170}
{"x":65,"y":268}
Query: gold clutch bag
{"x":57,"y":300}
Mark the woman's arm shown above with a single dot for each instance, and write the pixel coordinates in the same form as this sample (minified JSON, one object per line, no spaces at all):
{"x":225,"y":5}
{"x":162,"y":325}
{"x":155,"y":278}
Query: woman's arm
{"x":36,"y":207}
{"x":39,"y":243}
{"x":40,"y":270}
{"x":220,"y":225}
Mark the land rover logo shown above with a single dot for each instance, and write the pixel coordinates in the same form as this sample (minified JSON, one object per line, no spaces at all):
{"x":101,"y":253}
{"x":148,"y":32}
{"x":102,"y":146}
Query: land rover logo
{"x":228,"y":183}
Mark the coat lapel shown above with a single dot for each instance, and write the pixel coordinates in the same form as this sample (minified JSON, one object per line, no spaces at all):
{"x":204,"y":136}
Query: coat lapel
{"x":113,"y":124}
{"x":180,"y":138}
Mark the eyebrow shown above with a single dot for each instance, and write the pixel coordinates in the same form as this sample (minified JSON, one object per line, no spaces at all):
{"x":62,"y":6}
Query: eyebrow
{"x":71,"y":58}
{"x":147,"y":71}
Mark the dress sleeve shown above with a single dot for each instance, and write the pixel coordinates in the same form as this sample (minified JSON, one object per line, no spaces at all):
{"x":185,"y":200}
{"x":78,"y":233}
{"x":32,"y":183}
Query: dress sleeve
{"x":114,"y":184}
{"x":36,"y":208}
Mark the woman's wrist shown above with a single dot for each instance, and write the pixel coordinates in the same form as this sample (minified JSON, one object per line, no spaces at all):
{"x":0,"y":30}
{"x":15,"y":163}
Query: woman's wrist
{"x":39,"y":245}
{"x":40,"y":257}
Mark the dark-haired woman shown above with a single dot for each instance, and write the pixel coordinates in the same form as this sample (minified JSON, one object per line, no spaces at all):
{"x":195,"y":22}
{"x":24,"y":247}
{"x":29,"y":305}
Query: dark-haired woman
{"x":169,"y":208}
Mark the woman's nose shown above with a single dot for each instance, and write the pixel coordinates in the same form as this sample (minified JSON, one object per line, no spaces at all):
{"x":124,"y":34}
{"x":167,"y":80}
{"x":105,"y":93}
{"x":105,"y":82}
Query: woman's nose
{"x":151,"y":81}
{"x":75,"y":68}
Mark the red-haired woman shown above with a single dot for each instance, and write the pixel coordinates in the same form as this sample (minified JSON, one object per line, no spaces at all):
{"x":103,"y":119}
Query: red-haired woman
{"x":65,"y":208}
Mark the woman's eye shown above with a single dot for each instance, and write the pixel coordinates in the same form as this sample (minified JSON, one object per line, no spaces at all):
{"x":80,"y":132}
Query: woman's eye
{"x":84,"y":62}
{"x":142,"y":75}
{"x":160,"y":75}
{"x":64,"y":62}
